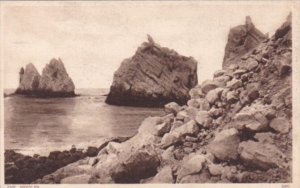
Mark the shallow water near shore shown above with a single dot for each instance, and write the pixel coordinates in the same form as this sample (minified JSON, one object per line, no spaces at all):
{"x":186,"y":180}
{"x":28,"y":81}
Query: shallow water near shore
{"x":39,"y":126}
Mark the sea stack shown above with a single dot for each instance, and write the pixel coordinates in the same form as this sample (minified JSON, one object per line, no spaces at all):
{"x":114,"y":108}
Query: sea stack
{"x":241,"y":39}
{"x":152,"y":77}
{"x":54,"y":81}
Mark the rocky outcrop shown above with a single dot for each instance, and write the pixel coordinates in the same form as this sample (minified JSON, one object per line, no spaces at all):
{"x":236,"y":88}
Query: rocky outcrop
{"x":54,"y":81}
{"x":238,"y":131}
{"x":241,"y":40}
{"x":154,"y":76}
{"x":29,"y":80}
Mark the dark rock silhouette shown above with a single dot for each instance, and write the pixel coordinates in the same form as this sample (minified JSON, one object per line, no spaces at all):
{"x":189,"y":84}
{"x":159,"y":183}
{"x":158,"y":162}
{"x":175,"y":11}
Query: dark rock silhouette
{"x":241,"y":39}
{"x":54,"y":81}
{"x":154,"y":76}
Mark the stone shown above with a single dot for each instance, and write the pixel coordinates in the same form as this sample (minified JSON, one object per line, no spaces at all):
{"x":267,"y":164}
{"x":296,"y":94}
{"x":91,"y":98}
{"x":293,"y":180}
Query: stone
{"x":29,"y":80}
{"x":215,"y":169}
{"x":208,"y":85}
{"x":219,"y":73}
{"x":172,"y":107}
{"x":234,"y":84}
{"x":281,"y":125}
{"x":176,"y":124}
{"x":260,"y":155}
{"x":153,"y":76}
{"x":165,"y":175}
{"x":203,"y":119}
{"x":213,"y":95}
{"x":265,"y":137}
{"x":251,"y":64}
{"x":192,"y":165}
{"x":203,"y":105}
{"x":79,"y":179}
{"x":222,"y":80}
{"x":176,"y":135}
{"x":231,"y":97}
{"x":196,"y":93}
{"x":55,"y":80}
{"x":241,"y":39}
{"x":239,"y":72}
{"x":193,"y":103}
{"x":225,"y":145}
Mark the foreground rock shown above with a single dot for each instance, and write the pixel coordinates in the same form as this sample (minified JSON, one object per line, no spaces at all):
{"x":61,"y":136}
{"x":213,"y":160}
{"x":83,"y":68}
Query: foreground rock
{"x":54,"y":81}
{"x":154,"y":76}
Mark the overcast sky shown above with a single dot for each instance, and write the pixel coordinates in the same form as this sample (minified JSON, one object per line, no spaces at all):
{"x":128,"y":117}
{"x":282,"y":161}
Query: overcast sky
{"x":93,"y":38}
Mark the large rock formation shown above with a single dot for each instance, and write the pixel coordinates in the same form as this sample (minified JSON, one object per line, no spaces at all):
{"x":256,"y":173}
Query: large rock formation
{"x":241,"y":39}
{"x":29,"y":80}
{"x":54,"y":82}
{"x":154,"y":76}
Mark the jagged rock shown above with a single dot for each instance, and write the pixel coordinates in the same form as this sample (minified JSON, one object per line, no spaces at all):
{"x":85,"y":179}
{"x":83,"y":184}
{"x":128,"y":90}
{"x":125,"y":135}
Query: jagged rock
{"x":163,"y":176}
{"x":29,"y":80}
{"x":191,"y":165}
{"x":155,"y":126}
{"x":219,"y":73}
{"x":253,"y":118}
{"x":260,"y":155}
{"x":154,"y":76}
{"x":176,"y":135}
{"x":208,"y":85}
{"x":281,"y":125}
{"x":213,"y":95}
{"x":172,"y":107}
{"x":241,"y":39}
{"x":225,"y":145}
{"x":203,"y":119}
{"x":285,"y":29}
{"x":54,"y":82}
{"x":234,"y":84}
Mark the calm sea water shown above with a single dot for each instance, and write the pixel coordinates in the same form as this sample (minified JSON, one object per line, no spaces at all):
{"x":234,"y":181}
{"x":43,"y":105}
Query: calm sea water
{"x":34,"y":125}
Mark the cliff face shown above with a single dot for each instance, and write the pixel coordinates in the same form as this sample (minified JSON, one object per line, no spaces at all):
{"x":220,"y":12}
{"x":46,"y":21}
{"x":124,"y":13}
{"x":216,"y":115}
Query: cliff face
{"x":241,"y":39}
{"x":154,"y":76}
{"x":54,"y":82}
{"x":236,"y":128}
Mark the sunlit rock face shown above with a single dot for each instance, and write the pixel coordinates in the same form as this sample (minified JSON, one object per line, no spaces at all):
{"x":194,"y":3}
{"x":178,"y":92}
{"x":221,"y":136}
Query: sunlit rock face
{"x":54,"y":81}
{"x":153,"y":76}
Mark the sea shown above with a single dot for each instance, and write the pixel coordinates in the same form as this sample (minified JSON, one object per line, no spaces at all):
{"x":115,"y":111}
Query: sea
{"x":39,"y":126}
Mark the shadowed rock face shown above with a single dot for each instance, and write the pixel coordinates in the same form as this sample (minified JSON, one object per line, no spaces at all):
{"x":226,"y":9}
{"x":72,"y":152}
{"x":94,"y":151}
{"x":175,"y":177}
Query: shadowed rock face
{"x":54,"y":82}
{"x":154,"y":76}
{"x":241,"y":39}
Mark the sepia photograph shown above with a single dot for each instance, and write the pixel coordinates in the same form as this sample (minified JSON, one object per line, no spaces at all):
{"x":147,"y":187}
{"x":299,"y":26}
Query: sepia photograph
{"x":149,"y":92}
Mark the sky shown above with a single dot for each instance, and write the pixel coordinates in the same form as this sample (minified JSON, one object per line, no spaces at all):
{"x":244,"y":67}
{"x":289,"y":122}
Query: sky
{"x":92,"y":38}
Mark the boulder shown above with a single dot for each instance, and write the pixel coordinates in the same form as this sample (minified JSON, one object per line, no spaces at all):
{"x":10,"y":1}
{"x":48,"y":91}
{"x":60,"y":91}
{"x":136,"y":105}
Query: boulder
{"x":165,"y":175}
{"x":79,"y":179}
{"x":155,"y":126}
{"x":234,"y":84}
{"x":225,"y":145}
{"x":176,"y":135}
{"x":208,"y":85}
{"x":219,"y":73}
{"x":153,"y":76}
{"x":172,"y":107}
{"x":193,"y":164}
{"x":203,"y":119}
{"x":281,"y":125}
{"x":260,"y":155}
{"x":214,"y":95}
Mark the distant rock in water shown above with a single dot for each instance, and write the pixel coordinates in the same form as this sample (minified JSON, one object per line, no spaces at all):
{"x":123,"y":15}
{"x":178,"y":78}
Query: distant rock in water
{"x":29,"y":80}
{"x":54,"y":82}
{"x":241,"y":39}
{"x":153,"y":76}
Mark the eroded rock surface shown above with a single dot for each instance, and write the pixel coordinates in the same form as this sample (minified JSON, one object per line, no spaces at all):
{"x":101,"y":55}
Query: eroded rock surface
{"x":153,"y":76}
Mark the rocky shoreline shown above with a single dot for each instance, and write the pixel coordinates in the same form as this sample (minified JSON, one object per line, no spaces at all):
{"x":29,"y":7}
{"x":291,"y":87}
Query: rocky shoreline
{"x":20,"y":169}
{"x":236,"y":128}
